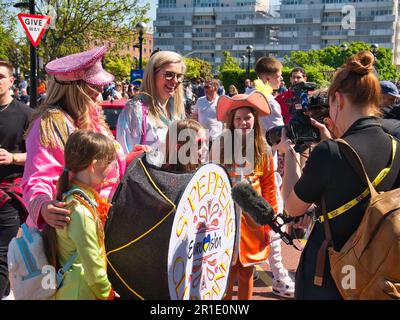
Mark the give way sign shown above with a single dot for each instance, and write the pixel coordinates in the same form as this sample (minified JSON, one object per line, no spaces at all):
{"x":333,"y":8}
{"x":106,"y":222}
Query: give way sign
{"x":34,"y":26}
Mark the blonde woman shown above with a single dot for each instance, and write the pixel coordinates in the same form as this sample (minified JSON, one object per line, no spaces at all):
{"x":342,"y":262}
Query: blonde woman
{"x":232,"y":91}
{"x":146,"y":117}
{"x":71,"y":104}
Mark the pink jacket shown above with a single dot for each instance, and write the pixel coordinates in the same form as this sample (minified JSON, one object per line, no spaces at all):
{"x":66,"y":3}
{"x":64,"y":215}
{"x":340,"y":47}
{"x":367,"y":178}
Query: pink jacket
{"x":44,"y":166}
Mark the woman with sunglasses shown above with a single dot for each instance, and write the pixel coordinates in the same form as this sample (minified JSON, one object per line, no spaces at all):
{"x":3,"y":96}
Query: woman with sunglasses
{"x":190,"y":135}
{"x":71,"y":104}
{"x":146,"y":117}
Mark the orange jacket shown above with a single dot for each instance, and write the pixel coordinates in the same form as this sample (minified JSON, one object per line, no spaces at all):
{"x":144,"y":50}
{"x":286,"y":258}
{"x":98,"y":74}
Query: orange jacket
{"x":253,"y":243}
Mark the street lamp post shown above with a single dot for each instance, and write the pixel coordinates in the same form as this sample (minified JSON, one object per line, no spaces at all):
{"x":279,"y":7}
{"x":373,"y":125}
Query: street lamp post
{"x":33,"y":64}
{"x":343,"y":48}
{"x":243,"y":58}
{"x":140,"y":28}
{"x":249,"y":50}
{"x":374,"y":49}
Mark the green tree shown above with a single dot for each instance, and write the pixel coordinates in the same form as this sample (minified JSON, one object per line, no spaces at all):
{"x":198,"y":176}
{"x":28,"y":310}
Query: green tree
{"x":79,"y":24}
{"x":7,"y":33}
{"x":332,"y":57}
{"x":119,"y":66}
{"x":229,"y":63}
{"x":197,"y":68}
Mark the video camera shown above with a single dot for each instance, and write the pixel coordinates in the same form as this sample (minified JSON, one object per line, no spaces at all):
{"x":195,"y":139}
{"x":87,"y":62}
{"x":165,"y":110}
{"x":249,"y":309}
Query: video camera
{"x":299,"y":130}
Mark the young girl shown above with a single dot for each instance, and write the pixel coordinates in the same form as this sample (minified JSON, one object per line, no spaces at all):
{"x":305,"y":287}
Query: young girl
{"x":241,"y":113}
{"x":89,"y":156}
{"x":180,"y":134}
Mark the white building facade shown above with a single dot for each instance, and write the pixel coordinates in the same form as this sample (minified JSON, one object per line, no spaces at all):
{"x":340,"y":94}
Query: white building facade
{"x":207,"y":28}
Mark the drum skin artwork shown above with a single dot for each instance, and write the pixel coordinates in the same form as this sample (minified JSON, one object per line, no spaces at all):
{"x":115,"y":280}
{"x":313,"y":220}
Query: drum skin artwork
{"x":171,"y":235}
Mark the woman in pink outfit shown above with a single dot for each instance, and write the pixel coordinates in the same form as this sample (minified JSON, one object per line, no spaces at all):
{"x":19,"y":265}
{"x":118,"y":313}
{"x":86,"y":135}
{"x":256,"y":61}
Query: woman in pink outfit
{"x":70,"y":105}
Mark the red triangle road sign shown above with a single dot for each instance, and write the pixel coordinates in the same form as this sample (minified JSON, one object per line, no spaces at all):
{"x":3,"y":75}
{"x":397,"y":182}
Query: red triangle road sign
{"x":34,"y":26}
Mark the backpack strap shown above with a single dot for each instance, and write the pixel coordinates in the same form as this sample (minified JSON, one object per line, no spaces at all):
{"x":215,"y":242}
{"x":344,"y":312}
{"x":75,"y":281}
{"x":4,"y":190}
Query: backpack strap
{"x":26,"y":233}
{"x":354,"y":159}
{"x":82,"y":194}
{"x":321,"y":256}
{"x":378,"y":179}
{"x":65,"y":268}
{"x":71,"y":260}
{"x":29,"y":260}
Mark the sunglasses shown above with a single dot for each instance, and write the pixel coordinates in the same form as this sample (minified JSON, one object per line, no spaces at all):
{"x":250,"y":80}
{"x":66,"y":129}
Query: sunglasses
{"x":169,"y":75}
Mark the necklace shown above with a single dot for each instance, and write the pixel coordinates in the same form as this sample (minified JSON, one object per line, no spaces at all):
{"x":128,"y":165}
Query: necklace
{"x":4,"y":108}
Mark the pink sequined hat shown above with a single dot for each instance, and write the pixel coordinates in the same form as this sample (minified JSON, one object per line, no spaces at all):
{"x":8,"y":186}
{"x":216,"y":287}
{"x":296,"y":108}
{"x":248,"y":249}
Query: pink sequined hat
{"x":84,"y":66}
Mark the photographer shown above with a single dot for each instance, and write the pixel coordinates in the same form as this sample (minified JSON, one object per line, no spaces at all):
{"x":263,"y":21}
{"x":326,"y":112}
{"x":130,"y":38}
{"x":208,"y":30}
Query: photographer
{"x":354,"y":101}
{"x":297,"y":75}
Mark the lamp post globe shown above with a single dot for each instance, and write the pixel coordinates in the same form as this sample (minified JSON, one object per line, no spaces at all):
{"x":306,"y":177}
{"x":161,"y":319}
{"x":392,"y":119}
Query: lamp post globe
{"x":140,"y":28}
{"x":249,"y":50}
{"x":374,"y":48}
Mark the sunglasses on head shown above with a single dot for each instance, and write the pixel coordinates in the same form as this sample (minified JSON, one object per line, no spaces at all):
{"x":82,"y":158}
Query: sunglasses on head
{"x":169,"y":75}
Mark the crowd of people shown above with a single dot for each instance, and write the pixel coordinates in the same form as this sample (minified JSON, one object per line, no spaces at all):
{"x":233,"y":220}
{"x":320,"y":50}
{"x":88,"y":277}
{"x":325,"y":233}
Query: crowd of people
{"x":60,"y":164}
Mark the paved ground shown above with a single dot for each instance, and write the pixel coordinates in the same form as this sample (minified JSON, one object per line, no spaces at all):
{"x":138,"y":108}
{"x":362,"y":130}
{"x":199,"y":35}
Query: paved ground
{"x":263,"y":286}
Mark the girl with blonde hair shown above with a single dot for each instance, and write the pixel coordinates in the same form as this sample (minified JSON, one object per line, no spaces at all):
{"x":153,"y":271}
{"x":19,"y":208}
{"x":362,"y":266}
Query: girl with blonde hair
{"x":146,"y":117}
{"x":71,"y":104}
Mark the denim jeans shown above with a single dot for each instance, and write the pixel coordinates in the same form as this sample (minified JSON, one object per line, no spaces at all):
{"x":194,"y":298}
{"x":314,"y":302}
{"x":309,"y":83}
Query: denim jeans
{"x":9,"y":224}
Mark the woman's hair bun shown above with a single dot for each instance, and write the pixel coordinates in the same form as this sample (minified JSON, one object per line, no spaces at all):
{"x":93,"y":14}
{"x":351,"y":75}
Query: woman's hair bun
{"x":361,"y":63}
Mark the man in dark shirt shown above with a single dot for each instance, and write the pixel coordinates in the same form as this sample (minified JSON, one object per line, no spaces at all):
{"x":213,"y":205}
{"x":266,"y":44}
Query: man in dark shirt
{"x":14,"y":120}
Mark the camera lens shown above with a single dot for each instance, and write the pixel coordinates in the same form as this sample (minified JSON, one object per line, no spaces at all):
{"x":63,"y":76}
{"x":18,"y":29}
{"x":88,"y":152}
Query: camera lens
{"x":273,"y":135}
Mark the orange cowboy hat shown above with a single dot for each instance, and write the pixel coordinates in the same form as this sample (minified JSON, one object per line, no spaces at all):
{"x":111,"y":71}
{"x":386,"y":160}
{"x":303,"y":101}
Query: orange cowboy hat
{"x":255,"y":100}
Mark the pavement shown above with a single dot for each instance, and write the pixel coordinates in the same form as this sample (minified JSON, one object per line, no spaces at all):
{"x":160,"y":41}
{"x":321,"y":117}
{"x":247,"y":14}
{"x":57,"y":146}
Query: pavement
{"x":263,"y":286}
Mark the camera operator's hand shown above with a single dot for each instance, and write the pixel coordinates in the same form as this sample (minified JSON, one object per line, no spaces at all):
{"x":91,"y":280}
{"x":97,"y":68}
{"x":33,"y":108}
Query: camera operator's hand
{"x":323,"y":130}
{"x":304,"y":222}
{"x":284,"y":144}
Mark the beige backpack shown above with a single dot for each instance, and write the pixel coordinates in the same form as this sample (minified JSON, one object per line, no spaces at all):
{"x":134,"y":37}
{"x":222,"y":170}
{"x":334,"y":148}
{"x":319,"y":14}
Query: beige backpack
{"x":368,"y":265}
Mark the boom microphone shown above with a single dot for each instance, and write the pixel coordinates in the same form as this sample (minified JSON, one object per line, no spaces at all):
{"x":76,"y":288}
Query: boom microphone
{"x":244,"y":195}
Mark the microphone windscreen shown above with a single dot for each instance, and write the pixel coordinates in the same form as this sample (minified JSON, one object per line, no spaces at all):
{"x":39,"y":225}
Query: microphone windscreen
{"x":244,"y":195}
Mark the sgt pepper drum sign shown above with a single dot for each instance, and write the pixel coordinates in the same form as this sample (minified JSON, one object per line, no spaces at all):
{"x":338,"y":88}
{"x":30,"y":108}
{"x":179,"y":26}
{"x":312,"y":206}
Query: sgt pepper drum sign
{"x":202,"y":237}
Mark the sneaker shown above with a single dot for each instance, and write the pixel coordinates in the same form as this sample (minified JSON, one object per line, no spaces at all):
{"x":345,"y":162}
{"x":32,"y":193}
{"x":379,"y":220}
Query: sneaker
{"x":283,"y":287}
{"x":9,"y":297}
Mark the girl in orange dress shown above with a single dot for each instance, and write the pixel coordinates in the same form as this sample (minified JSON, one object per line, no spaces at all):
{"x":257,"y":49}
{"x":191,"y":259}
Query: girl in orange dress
{"x":241,"y":114}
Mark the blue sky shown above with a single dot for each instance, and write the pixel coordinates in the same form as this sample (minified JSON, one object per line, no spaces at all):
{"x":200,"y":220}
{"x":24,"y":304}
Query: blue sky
{"x":152,"y":11}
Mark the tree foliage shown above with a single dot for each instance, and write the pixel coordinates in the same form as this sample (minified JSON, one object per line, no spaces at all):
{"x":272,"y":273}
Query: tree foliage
{"x":79,"y":24}
{"x":332,"y":57}
{"x":120,"y":66}
{"x":229,"y":63}
{"x":7,"y":32}
{"x":197,"y":68}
